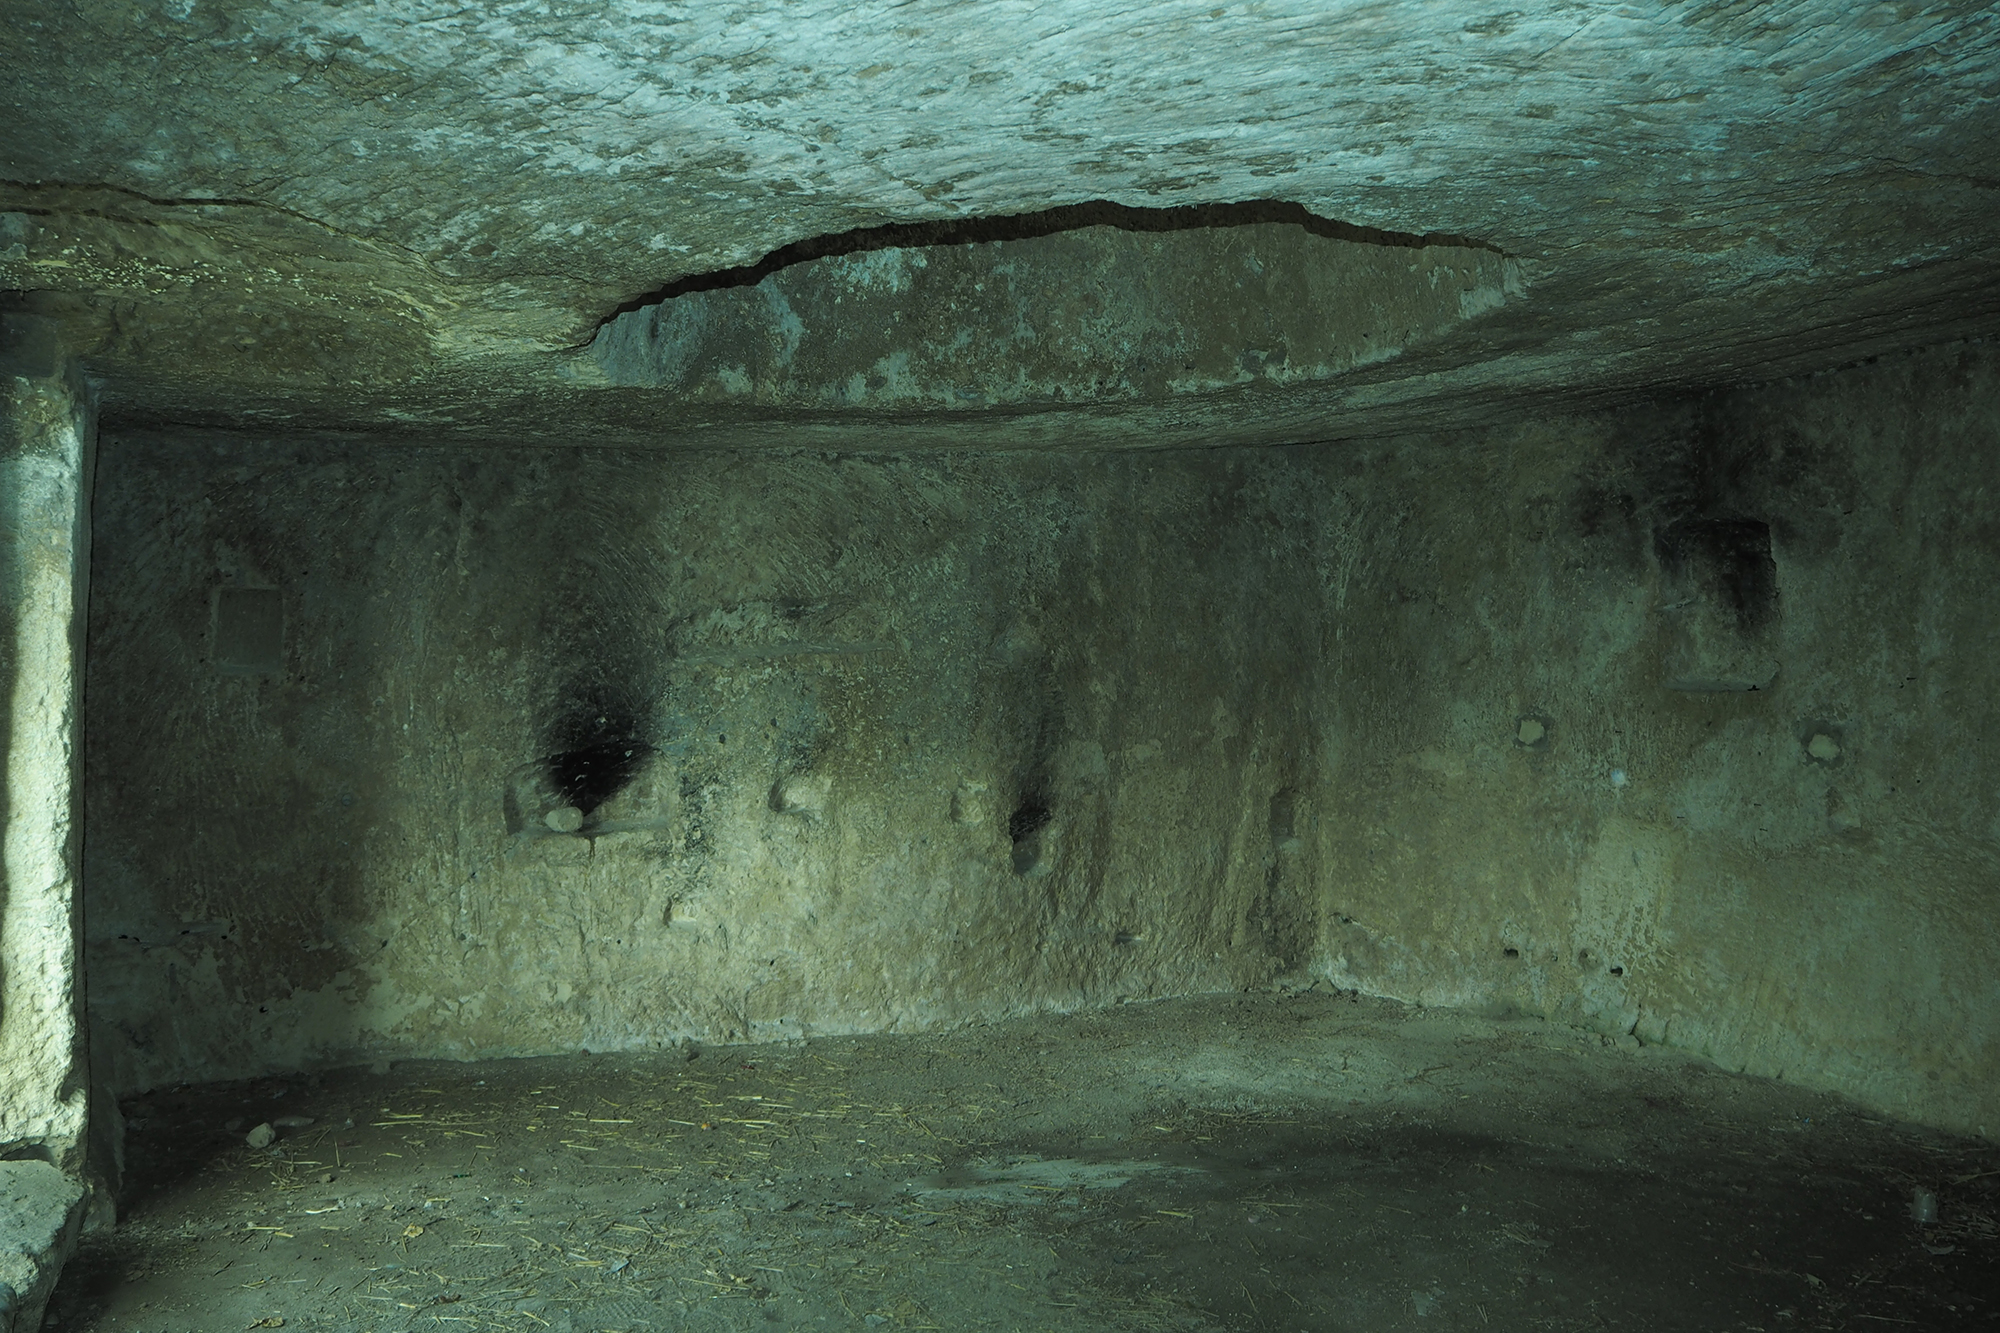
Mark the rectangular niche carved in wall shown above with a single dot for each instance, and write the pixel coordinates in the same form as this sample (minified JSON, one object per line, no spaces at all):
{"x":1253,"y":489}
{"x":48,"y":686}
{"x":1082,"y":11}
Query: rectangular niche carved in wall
{"x":249,"y":631}
{"x":1719,"y":586}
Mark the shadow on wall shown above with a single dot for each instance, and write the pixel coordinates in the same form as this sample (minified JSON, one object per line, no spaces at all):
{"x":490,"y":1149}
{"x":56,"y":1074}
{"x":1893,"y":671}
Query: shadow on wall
{"x":1718,"y":596}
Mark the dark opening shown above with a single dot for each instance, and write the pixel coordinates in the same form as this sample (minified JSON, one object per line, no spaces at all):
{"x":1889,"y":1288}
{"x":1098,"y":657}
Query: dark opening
{"x":597,"y":740}
{"x":1030,"y":819}
{"x":1025,"y":827}
{"x":590,"y":776}
{"x":1727,"y":557}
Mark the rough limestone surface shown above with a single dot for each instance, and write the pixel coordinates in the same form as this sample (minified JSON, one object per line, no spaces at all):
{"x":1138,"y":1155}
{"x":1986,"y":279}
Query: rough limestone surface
{"x":613,"y":749}
{"x":1791,"y":869}
{"x":40,"y":1211}
{"x":1092,"y":315}
{"x":415,"y":215}
{"x":582,"y":748}
{"x":46,"y":442}
{"x":46,"y":439}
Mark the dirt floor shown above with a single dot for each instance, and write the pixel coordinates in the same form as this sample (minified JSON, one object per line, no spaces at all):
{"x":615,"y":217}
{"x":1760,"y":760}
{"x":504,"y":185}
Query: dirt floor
{"x":1277,"y":1161}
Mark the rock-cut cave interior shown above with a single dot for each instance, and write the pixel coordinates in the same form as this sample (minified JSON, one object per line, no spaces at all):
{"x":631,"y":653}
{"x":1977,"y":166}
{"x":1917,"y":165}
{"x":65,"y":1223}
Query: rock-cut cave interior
{"x":1311,"y":665}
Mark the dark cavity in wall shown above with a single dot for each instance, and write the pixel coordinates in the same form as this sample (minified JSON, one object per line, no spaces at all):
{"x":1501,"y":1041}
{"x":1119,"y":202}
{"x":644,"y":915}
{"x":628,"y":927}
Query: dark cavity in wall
{"x":1281,"y":917}
{"x":1726,"y":558}
{"x":598,"y":745}
{"x":598,"y":651}
{"x":1027,"y":226}
{"x":1024,"y":829}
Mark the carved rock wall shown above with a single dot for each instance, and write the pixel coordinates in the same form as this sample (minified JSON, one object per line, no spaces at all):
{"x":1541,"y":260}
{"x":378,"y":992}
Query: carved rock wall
{"x":604,"y":748}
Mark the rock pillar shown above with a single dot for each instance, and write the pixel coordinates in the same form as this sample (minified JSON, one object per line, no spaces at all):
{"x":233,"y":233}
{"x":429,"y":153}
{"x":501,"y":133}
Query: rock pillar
{"x":47,"y":437}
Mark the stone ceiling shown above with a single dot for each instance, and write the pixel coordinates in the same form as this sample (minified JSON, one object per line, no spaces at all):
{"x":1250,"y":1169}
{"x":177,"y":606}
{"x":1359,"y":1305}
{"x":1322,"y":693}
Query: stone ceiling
{"x":416,"y":215}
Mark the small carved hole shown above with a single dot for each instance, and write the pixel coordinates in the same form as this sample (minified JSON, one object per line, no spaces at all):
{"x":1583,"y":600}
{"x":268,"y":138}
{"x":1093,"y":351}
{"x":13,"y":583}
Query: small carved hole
{"x":1024,"y":828}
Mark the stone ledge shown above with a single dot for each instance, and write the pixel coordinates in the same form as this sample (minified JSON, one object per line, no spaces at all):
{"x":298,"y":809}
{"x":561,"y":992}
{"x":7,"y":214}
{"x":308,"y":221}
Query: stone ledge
{"x":40,"y":1209}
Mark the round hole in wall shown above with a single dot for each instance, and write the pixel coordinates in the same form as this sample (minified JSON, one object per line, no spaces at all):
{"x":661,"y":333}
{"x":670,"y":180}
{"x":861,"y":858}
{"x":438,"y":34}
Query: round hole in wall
{"x":1823,"y":741}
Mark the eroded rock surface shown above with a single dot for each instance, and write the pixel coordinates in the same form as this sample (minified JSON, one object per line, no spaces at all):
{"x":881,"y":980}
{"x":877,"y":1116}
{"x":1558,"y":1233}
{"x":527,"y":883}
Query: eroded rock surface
{"x":611,"y":749}
{"x":1095,"y":315}
{"x":413,"y":215}
{"x":40,"y":1210}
